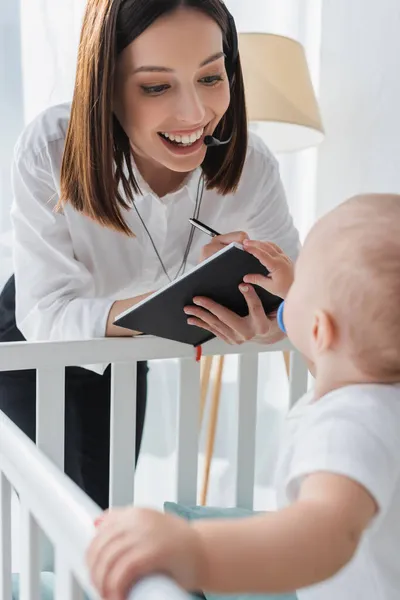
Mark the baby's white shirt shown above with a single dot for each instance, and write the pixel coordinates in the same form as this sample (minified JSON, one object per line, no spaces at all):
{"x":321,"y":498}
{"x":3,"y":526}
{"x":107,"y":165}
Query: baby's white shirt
{"x":354,"y":432}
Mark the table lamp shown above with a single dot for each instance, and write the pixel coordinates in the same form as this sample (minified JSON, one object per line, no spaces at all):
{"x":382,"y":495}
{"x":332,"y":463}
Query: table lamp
{"x":281,"y":103}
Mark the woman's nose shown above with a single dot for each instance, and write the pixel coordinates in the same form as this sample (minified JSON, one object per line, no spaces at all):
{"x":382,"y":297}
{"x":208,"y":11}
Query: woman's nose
{"x":190,"y":108}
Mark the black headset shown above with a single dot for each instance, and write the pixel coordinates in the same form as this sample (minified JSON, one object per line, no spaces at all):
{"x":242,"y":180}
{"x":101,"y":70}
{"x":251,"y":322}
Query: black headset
{"x":233,"y":45}
{"x":232,"y":55}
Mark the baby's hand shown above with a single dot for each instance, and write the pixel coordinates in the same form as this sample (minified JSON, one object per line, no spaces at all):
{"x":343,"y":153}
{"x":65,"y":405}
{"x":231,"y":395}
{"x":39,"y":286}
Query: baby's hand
{"x":131,"y":543}
{"x":280,"y":267}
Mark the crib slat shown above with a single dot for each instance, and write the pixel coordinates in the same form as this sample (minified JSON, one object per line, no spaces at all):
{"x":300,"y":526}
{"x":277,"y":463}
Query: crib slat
{"x":298,"y":377}
{"x":246,"y":438}
{"x":157,"y":586}
{"x":5,"y":537}
{"x":188,"y":430}
{"x":122,"y":433}
{"x":50,"y":384}
{"x":50,"y":418}
{"x":66,"y":586}
{"x":29,"y":555}
{"x":77,"y":592}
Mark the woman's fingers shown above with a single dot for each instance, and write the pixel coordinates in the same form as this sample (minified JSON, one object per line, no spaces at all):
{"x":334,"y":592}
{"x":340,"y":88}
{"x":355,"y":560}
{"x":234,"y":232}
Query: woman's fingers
{"x":234,"y":236}
{"x":210,"y":249}
{"x":214,"y":330}
{"x":212,"y":312}
{"x":260,"y":321}
{"x":268,"y":246}
{"x":221,"y":241}
{"x":211,"y":322}
{"x":219,"y":320}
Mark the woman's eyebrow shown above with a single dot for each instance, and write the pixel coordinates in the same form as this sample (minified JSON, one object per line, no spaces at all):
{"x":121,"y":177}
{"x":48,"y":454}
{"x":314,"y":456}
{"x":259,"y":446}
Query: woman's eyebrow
{"x":153,"y":69}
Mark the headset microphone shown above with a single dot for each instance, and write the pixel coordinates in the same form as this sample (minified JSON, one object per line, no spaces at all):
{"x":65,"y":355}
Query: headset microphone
{"x":211,"y":141}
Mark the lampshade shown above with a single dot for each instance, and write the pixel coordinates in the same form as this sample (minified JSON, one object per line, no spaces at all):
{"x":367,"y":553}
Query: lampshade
{"x":280,"y":99}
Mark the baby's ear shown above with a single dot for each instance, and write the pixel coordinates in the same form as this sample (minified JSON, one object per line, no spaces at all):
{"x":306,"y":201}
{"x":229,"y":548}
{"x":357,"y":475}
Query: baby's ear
{"x":323,"y":332}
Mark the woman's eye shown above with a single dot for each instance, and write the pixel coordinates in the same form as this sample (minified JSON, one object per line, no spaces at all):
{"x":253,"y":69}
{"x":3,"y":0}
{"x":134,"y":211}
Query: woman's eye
{"x":211,"y":79}
{"x":154,"y":90}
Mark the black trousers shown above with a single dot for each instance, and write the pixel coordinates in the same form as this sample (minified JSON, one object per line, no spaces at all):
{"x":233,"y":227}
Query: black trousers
{"x":87,"y":409}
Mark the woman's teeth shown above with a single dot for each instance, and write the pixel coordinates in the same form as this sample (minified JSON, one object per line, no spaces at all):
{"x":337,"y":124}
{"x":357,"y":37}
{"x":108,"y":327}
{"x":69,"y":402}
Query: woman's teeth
{"x":184,"y":140}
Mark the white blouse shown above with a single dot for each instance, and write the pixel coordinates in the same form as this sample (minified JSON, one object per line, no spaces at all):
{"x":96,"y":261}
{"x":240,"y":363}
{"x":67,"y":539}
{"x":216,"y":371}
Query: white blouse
{"x":69,"y":270}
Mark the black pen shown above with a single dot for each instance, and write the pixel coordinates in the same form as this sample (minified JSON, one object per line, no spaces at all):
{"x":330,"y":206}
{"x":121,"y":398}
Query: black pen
{"x":204,"y":228}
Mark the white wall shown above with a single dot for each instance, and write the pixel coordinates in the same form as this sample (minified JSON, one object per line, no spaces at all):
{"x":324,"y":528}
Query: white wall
{"x":50,"y":34}
{"x":360,"y":99}
{"x":11,"y":120}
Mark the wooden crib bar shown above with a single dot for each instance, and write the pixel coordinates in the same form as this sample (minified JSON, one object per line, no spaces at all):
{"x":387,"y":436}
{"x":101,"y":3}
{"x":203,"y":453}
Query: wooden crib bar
{"x":50,"y":412}
{"x":122,"y":433}
{"x":66,"y":584}
{"x":29,"y":554}
{"x":158,"y":587}
{"x":246,"y":433}
{"x":187,"y":431}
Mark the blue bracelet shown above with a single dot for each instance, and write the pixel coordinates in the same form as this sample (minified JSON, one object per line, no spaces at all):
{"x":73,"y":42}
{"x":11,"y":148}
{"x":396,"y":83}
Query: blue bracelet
{"x":279,"y":317}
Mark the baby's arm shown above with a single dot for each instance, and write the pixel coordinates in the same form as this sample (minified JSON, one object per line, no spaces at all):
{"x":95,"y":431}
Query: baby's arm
{"x":278,"y":552}
{"x":293,"y":548}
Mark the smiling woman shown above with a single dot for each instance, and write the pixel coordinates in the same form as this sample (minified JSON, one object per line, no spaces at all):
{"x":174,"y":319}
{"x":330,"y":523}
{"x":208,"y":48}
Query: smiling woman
{"x":103,"y":190}
{"x":169,"y":78}
{"x":209,"y":77}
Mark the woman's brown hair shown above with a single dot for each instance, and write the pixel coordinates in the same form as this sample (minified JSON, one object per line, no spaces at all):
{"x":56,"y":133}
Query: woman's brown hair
{"x":97,"y":155}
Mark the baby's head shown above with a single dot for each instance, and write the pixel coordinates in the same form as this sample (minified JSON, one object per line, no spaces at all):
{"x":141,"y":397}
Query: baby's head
{"x":345,"y":299}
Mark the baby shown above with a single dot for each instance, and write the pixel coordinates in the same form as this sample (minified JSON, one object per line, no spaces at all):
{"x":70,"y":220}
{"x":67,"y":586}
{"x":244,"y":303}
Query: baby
{"x":336,"y":535}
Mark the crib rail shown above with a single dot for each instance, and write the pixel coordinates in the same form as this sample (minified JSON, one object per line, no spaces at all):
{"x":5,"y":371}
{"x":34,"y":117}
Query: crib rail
{"x":29,"y":355}
{"x":51,"y":358}
{"x":52,"y":503}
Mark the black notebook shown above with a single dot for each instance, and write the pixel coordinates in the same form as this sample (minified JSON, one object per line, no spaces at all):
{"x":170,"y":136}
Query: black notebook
{"x":218,"y":278}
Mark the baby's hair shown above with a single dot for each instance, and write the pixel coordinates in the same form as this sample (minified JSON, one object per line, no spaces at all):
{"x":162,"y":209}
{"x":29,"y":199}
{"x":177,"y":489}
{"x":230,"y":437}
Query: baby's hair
{"x":364,"y":285}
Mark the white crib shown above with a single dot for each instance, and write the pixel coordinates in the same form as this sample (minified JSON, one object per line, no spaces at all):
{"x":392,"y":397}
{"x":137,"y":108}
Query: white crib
{"x":51,"y":503}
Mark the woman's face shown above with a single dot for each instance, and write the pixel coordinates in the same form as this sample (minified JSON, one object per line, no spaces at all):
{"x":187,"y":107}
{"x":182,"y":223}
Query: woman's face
{"x":172,"y":89}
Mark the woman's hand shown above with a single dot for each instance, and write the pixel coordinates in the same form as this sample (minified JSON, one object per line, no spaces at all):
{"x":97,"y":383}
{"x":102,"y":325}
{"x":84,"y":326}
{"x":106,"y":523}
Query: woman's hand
{"x":117,"y":308}
{"x":230,"y":327}
{"x":256,"y":326}
{"x":220,"y":241}
{"x":131,"y":543}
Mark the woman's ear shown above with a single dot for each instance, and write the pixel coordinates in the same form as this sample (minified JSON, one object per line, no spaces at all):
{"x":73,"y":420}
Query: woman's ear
{"x":323,"y":332}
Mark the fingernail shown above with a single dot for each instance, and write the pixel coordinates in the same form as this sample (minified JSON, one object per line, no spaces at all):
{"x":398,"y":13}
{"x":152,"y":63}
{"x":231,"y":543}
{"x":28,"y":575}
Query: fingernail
{"x":244,"y":288}
{"x":197,"y":301}
{"x":190,"y":322}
